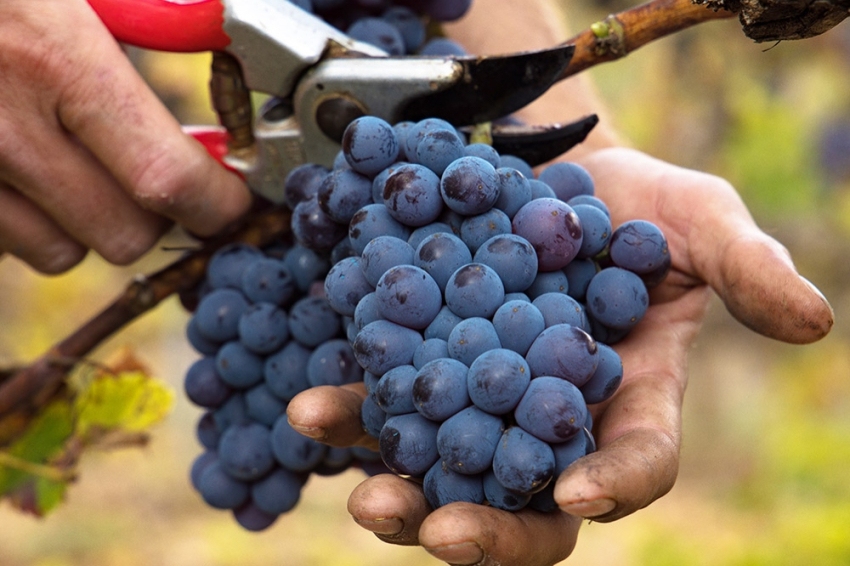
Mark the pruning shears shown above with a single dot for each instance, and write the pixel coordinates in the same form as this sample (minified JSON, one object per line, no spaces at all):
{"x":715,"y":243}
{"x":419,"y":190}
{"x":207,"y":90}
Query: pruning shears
{"x":320,"y":79}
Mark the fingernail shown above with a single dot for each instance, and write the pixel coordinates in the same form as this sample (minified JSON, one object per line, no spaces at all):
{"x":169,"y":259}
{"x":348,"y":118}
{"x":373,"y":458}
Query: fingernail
{"x":589,"y":509}
{"x":315,"y":433}
{"x":388,"y":526}
{"x":814,"y":289}
{"x":462,"y":554}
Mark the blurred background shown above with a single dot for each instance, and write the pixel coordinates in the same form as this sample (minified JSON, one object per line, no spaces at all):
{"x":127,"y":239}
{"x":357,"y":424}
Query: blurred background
{"x":766,"y":454}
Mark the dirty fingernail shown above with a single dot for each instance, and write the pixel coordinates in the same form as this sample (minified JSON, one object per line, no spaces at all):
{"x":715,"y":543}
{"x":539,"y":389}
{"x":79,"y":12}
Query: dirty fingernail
{"x":588,"y":509}
{"x":316,"y":433}
{"x":463,"y":554}
{"x":388,"y":526}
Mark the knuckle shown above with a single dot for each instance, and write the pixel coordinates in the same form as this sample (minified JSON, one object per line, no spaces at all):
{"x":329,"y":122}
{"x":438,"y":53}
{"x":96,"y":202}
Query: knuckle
{"x":163,"y":182}
{"x":124,"y":249}
{"x":57,"y":259}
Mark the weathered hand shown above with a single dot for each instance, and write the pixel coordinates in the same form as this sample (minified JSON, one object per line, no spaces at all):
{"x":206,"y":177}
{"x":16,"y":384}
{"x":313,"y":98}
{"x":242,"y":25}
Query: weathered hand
{"x":714,"y":245}
{"x":89,"y":158}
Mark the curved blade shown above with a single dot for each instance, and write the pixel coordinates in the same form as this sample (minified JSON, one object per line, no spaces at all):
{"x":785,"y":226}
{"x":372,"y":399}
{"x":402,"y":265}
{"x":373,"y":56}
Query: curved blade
{"x":492,"y":87}
{"x":539,"y":144}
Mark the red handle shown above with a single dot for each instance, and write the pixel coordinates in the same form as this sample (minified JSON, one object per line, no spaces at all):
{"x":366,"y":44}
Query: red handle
{"x":214,"y":139}
{"x":165,"y":25}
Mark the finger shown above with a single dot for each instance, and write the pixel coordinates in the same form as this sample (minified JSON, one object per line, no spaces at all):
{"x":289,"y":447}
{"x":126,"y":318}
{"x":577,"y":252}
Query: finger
{"x":639,"y":430}
{"x":465,"y":533}
{"x":128,"y":129}
{"x":63,"y":179}
{"x":331,"y":415}
{"x":391,"y":507}
{"x":26,"y":232}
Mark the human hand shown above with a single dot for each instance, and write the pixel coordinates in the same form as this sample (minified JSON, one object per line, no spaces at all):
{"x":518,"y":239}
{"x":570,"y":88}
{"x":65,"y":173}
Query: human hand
{"x":714,"y":245}
{"x":89,"y":158}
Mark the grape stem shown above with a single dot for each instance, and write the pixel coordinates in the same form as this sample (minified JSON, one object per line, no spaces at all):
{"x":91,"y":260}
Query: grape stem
{"x":28,"y":388}
{"x":619,"y":34}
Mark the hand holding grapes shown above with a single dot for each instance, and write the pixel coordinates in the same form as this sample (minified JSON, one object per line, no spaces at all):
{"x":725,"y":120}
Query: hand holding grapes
{"x":714,"y":245}
{"x":89,"y":158}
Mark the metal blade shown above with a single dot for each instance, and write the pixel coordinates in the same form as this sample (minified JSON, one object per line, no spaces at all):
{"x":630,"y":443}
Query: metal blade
{"x":492,"y":87}
{"x":539,"y":144}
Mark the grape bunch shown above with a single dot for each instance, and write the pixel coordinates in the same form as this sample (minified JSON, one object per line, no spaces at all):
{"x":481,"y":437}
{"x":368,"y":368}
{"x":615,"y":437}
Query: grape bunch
{"x":481,"y":303}
{"x":263,"y":337}
{"x":399,"y":28}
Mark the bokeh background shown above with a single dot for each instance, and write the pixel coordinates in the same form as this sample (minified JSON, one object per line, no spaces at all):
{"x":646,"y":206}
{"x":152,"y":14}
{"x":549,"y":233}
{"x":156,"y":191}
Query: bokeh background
{"x":765,"y":472}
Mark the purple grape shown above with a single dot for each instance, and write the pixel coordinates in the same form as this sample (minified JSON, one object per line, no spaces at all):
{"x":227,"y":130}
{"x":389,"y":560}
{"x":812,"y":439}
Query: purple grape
{"x":501,"y":497}
{"x":381,"y":254}
{"x":238,"y":366}
{"x":219,"y":489}
{"x":203,"y":386}
{"x":470,"y":338}
{"x":409,"y":26}
{"x":227,"y":264}
{"x":563,"y":351}
{"x":409,"y":444}
{"x":640,"y":247}
{"x":293,"y":450}
{"x":412,"y":195}
{"x":514,"y":190}
{"x":474,"y":290}
{"x":497,"y":380}
{"x":567,"y":180}
{"x":263,"y":328}
{"x":470,"y":186}
{"x":313,"y":228}
{"x":369,"y":144}
{"x":596,"y":229}
{"x":440,"y":255}
{"x":394,"y":391}
{"x":383,"y":345}
{"x":303,"y":183}
{"x":475,"y":230}
{"x":552,"y":409}
{"x":519,"y":164}
{"x":342,"y":193}
{"x":558,"y":308}
{"x":268,"y":280}
{"x":367,"y":311}
{"x":439,"y":389}
{"x":617,"y":298}
{"x":345,"y":285}
{"x":371,"y":221}
{"x":442,"y":325}
{"x":553,"y":228}
{"x":285,"y":371}
{"x":522,"y":462}
{"x":485,"y":152}
{"x":306,"y":266}
{"x":549,"y":282}
{"x":218,"y":313}
{"x":408,"y":296}
{"x":437,"y":149}
{"x":579,"y":272}
{"x":443,"y":485}
{"x":262,"y":405}
{"x":581,"y":444}
{"x":244,"y":451}
{"x":512,"y":257}
{"x":518,"y":324}
{"x":372,"y":417}
{"x":278,"y":492}
{"x":607,"y":377}
{"x":430,"y":349}
{"x":333,"y":363}
{"x":377,"y":32}
{"x":539,"y":190}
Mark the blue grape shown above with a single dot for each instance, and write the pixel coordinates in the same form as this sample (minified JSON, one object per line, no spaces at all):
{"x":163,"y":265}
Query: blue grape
{"x":207,"y":432}
{"x":552,"y":409}
{"x":470,"y":186}
{"x":430,"y":349}
{"x":408,"y":444}
{"x":558,"y":308}
{"x":293,"y":450}
{"x":394,"y":391}
{"x":378,"y":32}
{"x":244,"y":451}
{"x":607,"y":377}
{"x":268,"y":280}
{"x":440,"y":255}
{"x":369,"y":144}
{"x":419,"y":234}
{"x":519,"y":164}
{"x":497,"y":380}
{"x":262,"y":405}
{"x":372,"y":417}
{"x":516,"y":296}
{"x":514,"y":190}
{"x":198,"y":341}
{"x":231,"y":412}
{"x":408,"y":296}
{"x":203,"y":386}
{"x":442,"y":486}
{"x":367,"y":311}
{"x":238,"y":366}
{"x":517,"y":324}
{"x":467,"y":440}
{"x":219,"y":489}
{"x":475,"y":230}
{"x":640,"y":247}
{"x":252,"y":518}
{"x":617,"y":298}
{"x":402,"y":130}
{"x":303,"y":183}
{"x":383,"y":345}
{"x":581,"y":444}
{"x":227,"y":264}
{"x":337,"y":460}
{"x":553,"y":228}
{"x":344,"y":192}
{"x":442,"y":46}
{"x":539,"y":190}
{"x":579,"y":272}
{"x":218,"y":313}
{"x":412,"y":195}
{"x":371,"y":221}
{"x":549,"y":282}
{"x":596,"y":229}
{"x":474,"y":290}
{"x":383,"y":253}
{"x":305,"y":265}
{"x":439,"y":389}
{"x":485,"y":152}
{"x":592,"y":201}
{"x":380,"y":180}
{"x":522,"y":462}
{"x":567,"y":180}
{"x":442,"y":325}
{"x":419,"y":130}
{"x":437,"y":149}
{"x":564,"y":351}
{"x":313,"y":228}
{"x":512,"y":258}
{"x":285,"y":371}
{"x":263,"y":328}
{"x":199,"y":464}
{"x":333,"y":363}
{"x":312,"y":321}
{"x":278,"y":492}
{"x":408,"y":24}
{"x":470,"y":338}
{"x":501,"y":497}
{"x":345,"y":284}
